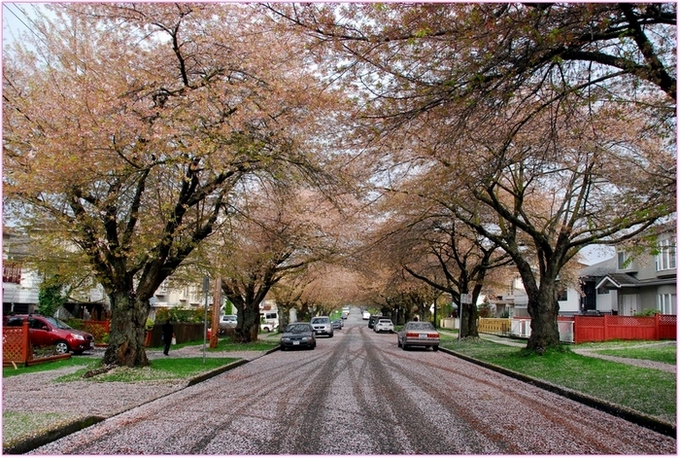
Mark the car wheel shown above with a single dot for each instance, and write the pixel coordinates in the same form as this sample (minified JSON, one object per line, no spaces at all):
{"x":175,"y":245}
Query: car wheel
{"x":405,"y":347}
{"x":61,"y":347}
{"x":435,"y":347}
{"x":398,"y":343}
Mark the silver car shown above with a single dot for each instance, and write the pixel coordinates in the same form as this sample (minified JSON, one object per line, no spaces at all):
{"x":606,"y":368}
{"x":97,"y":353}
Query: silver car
{"x":322,"y":325}
{"x":418,"y":333}
{"x":227,"y":322}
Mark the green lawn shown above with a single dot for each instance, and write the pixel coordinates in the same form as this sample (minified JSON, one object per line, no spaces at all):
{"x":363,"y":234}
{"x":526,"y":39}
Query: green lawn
{"x":646,"y":390}
{"x":180,"y":367}
{"x":77,"y":361}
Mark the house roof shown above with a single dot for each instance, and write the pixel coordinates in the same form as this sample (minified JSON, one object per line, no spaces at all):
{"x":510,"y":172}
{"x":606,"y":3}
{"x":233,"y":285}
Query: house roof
{"x":599,"y":269}
{"x":621,"y":280}
{"x":618,"y":281}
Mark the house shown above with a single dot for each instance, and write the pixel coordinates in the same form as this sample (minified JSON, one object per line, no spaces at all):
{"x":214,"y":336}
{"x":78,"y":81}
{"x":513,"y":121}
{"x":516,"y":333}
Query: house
{"x":21,"y":287}
{"x":637,"y":284}
{"x":621,"y":285}
{"x":514,"y":304}
{"x":592,"y":298}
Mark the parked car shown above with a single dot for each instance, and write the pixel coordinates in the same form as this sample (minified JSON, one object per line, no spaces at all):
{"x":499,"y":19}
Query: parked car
{"x":322,"y":325}
{"x":298,"y":335}
{"x":337,"y":324}
{"x":365,"y":315}
{"x":227,"y":322}
{"x":418,"y":333}
{"x":373,"y":319}
{"x":383,"y":325}
{"x":48,"y":331}
{"x":269,"y":327}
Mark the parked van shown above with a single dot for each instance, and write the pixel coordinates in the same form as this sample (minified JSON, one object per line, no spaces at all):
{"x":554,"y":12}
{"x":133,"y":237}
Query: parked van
{"x":269,"y":321}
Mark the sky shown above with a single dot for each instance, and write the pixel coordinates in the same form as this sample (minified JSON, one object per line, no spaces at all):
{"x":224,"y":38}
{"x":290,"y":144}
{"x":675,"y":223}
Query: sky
{"x":13,"y":19}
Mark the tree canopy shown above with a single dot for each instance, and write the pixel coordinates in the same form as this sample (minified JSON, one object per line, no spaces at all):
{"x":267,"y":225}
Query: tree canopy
{"x":303,"y":133}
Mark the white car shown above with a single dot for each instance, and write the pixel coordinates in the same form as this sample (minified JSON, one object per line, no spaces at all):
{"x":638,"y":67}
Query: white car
{"x":383,"y":325}
{"x":366,"y":315}
{"x":227,"y":322}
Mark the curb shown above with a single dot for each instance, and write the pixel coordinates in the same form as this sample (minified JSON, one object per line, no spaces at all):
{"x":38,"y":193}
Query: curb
{"x":206,"y":375}
{"x":630,"y":415}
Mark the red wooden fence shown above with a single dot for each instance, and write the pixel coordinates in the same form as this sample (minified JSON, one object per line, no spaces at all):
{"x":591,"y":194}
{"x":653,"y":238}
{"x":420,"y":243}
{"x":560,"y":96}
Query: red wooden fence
{"x":17,"y":348}
{"x":616,"y":327}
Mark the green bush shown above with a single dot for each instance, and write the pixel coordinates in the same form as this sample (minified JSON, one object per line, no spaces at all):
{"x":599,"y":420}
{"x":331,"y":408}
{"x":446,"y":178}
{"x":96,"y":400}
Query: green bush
{"x":97,"y":330}
{"x":648,"y":312}
{"x":177,"y":315}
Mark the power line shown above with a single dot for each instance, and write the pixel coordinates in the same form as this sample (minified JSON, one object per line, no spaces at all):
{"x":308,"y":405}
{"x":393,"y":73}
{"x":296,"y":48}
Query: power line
{"x":26,"y":16}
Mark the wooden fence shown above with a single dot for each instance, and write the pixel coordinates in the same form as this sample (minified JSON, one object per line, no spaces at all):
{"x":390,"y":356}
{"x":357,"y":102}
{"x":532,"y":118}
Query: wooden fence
{"x":616,"y":327}
{"x":578,"y":329}
{"x":494,"y":325}
{"x":17,"y":348}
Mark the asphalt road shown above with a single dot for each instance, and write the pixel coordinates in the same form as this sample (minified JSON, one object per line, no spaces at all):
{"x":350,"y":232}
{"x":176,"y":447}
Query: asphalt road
{"x":359,"y":394}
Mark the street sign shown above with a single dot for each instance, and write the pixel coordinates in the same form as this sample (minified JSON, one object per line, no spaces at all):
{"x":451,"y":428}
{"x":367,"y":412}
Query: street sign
{"x":466,"y":298}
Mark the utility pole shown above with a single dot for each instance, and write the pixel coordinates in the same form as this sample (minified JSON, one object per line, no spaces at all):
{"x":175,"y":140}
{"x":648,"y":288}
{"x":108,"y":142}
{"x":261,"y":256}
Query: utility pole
{"x":217,"y":302}
{"x":206,"y":285}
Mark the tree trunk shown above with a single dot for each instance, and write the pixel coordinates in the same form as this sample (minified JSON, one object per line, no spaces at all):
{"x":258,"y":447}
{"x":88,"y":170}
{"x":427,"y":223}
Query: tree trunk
{"x":543,"y":309}
{"x":126,"y":338}
{"x":469,"y":325}
{"x":248,"y":324}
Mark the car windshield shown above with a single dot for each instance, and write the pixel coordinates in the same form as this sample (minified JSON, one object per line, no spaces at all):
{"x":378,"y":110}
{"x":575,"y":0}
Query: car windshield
{"x":297,"y":328}
{"x":57,"y":323}
{"x":320,"y":320}
{"x":420,"y":326}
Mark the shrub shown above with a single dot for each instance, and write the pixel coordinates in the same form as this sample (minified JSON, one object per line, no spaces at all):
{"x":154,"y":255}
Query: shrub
{"x":648,"y":312}
{"x":178,"y":315}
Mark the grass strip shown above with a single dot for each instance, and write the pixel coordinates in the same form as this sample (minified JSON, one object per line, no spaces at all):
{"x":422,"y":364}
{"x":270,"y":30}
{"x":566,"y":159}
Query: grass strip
{"x":49,"y":366}
{"x":160,"y":369}
{"x":18,"y":427}
{"x":649,"y":391}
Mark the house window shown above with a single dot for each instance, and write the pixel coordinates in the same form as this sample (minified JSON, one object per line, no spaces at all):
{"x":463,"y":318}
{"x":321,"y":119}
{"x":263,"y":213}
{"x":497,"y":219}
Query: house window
{"x":666,"y":304}
{"x":623,"y":261}
{"x":665,"y":259}
{"x":11,"y":272}
{"x":562,"y":294}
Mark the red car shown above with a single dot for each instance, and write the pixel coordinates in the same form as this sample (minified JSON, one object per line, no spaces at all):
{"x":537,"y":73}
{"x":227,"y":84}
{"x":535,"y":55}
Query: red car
{"x":48,"y":331}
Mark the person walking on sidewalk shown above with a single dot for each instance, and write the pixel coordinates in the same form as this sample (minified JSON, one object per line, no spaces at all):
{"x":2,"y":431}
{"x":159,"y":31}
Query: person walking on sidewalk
{"x":168,"y":334}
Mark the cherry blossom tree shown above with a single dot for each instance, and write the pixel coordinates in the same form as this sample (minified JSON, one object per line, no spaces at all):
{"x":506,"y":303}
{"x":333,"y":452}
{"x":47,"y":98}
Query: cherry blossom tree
{"x":127,"y":128}
{"x":556,"y":118}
